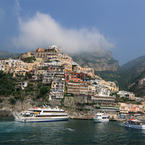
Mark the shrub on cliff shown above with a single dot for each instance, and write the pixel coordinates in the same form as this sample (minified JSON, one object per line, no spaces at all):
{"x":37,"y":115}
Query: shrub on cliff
{"x":7,"y":84}
{"x":12,"y":101}
{"x":43,"y":91}
{"x":29,"y":59}
{"x":1,"y":100}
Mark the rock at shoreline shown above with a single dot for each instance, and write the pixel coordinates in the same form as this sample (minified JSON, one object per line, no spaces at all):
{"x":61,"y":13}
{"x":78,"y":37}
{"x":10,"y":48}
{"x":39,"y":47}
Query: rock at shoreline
{"x":6,"y":113}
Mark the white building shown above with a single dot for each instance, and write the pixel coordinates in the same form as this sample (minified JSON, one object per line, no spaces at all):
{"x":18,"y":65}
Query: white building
{"x":126,"y":94}
{"x":2,"y":67}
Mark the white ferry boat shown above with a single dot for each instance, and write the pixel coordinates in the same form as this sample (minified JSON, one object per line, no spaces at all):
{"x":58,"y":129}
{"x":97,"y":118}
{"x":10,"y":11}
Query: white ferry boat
{"x":44,"y":114}
{"x":101,"y":117}
{"x":134,"y":123}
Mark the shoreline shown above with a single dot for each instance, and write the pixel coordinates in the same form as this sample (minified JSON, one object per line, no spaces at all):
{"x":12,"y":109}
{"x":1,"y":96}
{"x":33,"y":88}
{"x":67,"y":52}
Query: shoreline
{"x":7,"y":114}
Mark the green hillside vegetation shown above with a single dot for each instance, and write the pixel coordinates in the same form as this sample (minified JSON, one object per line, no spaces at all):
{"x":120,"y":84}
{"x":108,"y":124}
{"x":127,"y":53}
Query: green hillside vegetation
{"x":29,"y":59}
{"x":131,"y":73}
{"x":109,"y":75}
{"x":11,"y":87}
{"x":115,"y":76}
{"x":7,"y":84}
{"x":136,"y":87}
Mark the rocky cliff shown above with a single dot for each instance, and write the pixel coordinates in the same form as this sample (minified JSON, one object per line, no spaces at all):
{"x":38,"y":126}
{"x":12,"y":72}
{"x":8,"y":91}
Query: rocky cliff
{"x":103,"y":61}
{"x":132,"y":76}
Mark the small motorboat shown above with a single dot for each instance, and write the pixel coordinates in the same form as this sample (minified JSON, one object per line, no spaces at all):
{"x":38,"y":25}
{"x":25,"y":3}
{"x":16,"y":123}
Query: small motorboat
{"x":101,"y":117}
{"x":135,"y":123}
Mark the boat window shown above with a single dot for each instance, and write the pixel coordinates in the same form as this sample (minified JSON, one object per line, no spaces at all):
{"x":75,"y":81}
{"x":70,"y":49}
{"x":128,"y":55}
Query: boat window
{"x":104,"y":117}
{"x":26,"y":115}
{"x":51,"y":115}
{"x":134,"y":122}
{"x":36,"y":110}
{"x":52,"y":111}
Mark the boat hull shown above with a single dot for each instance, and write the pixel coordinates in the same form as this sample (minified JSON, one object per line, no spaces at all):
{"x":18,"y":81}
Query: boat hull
{"x":135,"y":126}
{"x":37,"y":119}
{"x":101,"y":120}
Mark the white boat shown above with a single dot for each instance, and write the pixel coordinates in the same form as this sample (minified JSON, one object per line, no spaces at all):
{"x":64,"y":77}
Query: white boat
{"x":101,"y":117}
{"x":135,"y":123}
{"x":44,"y":114}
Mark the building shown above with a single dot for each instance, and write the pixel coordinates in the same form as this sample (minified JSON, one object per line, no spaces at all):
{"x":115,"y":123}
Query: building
{"x":24,"y":84}
{"x":2,"y":67}
{"x":77,"y":88}
{"x":103,"y":90}
{"x":126,"y":94}
{"x":25,"y":55}
{"x":53,"y":72}
{"x":111,"y":85}
{"x":47,"y":54}
{"x":75,"y":77}
{"x":17,"y":67}
{"x":86,"y":70}
{"x":131,"y":108}
{"x":40,"y":50}
{"x":104,"y":100}
{"x":57,"y":89}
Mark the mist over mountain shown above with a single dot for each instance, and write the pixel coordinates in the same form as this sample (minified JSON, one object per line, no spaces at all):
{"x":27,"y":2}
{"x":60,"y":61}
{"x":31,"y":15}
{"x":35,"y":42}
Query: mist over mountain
{"x":7,"y":54}
{"x":99,"y":60}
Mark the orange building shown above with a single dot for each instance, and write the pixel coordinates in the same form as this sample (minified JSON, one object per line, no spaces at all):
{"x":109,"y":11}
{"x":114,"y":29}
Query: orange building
{"x":77,"y":88}
{"x":126,"y":108}
{"x":39,"y":50}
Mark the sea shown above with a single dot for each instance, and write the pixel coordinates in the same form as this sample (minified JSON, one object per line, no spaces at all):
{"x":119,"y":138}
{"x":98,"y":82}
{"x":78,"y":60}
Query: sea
{"x":72,"y":132}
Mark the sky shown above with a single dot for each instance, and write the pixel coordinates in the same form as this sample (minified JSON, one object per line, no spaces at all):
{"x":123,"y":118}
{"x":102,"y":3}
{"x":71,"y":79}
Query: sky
{"x":75,"y":26}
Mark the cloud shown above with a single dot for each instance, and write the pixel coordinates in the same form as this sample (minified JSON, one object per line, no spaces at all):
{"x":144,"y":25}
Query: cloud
{"x":18,"y":10}
{"x":42,"y":30}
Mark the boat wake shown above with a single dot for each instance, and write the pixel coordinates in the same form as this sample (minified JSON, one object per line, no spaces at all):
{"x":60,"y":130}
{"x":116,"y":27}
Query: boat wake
{"x":70,"y":129}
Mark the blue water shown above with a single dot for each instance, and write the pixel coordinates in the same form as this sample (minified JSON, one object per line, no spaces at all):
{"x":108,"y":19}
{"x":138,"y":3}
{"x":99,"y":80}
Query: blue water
{"x":72,"y":132}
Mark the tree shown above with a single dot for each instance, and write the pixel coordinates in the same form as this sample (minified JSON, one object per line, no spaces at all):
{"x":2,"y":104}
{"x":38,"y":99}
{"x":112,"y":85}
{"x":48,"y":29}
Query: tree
{"x":7,"y":84}
{"x":12,"y":101}
{"x":29,"y":59}
{"x":43,"y":91}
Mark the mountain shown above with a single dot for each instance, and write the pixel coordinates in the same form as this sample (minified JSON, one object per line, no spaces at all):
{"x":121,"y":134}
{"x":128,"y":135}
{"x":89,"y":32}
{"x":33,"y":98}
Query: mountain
{"x":103,"y":63}
{"x":6,"y":54}
{"x":132,"y":76}
{"x":100,"y":61}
